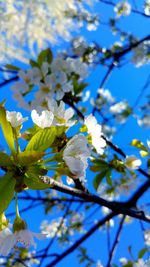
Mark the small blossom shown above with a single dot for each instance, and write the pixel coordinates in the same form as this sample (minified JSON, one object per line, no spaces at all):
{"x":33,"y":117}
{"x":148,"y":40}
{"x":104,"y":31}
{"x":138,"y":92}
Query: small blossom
{"x":123,"y":261}
{"x":8,"y":240}
{"x":145,"y":121}
{"x":98,"y":264}
{"x":147,"y":237}
{"x":132,"y":162}
{"x":76,"y":154}
{"x":147,"y":7}
{"x":61,"y":116}
{"x":123,"y":9}
{"x":106,"y":95}
{"x":118,"y":107}
{"x":95,"y":130}
{"x":56,"y":227}
{"x":44,"y":119}
{"x":15,"y":118}
{"x":140,"y":263}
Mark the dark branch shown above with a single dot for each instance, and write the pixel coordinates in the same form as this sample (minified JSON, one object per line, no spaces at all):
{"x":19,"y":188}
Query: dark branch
{"x":81,"y":240}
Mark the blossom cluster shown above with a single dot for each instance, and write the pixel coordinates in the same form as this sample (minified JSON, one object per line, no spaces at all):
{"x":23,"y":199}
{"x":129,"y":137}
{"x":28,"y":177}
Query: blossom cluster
{"x":9,"y":240}
{"x":122,"y":8}
{"x":39,"y":22}
{"x":109,"y":107}
{"x":49,"y":81}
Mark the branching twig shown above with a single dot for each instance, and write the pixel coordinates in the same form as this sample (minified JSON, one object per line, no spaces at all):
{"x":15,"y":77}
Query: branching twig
{"x":115,"y":242}
{"x":81,"y":240}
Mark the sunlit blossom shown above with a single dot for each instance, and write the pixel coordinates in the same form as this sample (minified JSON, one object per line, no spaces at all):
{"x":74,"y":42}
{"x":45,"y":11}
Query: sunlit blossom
{"x":76,"y":154}
{"x":62,"y":116}
{"x":133,"y":162}
{"x":15,"y":118}
{"x":95,"y":131}
{"x":123,"y":9}
{"x":9,"y":240}
{"x":44,"y":119}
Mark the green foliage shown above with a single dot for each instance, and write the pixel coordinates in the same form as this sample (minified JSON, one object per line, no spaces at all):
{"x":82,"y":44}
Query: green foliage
{"x":12,"y":67}
{"x":33,"y":182}
{"x":7,"y":129}
{"x":29,"y":157}
{"x":42,"y":139}
{"x":5,"y":160}
{"x":142,"y":252}
{"x":33,"y":63}
{"x":98,"y":179}
{"x":7,"y":184}
{"x":45,"y":56}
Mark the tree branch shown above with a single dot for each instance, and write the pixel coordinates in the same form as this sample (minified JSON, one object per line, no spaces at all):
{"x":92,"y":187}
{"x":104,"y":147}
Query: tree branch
{"x":117,"y":207}
{"x":116,"y":241}
{"x":81,"y":240}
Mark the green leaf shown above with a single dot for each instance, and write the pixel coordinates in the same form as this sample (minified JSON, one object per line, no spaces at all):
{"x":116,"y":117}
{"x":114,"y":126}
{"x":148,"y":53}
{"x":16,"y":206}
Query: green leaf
{"x":7,"y":184}
{"x":5,"y":160}
{"x":108,"y":177}
{"x":29,"y":157}
{"x":142,"y":252}
{"x":34,"y":63}
{"x":129,"y":264}
{"x":45,"y":56}
{"x":42,"y":140}
{"x":7,"y":129}
{"x":12,"y":67}
{"x":98,"y":178}
{"x":33,"y":182}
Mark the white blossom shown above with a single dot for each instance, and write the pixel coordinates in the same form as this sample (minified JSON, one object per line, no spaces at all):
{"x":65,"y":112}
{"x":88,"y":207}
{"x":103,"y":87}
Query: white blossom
{"x":147,"y":7}
{"x":61,"y":116}
{"x":15,"y":118}
{"x":118,"y":107}
{"x":123,"y":9}
{"x":141,"y":54}
{"x":123,"y":261}
{"x":142,"y":263}
{"x":55,"y":227}
{"x":40,"y":22}
{"x":106,"y":211}
{"x":132,"y":162}
{"x":95,"y":130}
{"x":44,"y":119}
{"x":9,"y":240}
{"x":76,"y":154}
{"x":145,"y":121}
{"x":98,"y":264}
{"x":147,"y":237}
{"x":105,"y":94}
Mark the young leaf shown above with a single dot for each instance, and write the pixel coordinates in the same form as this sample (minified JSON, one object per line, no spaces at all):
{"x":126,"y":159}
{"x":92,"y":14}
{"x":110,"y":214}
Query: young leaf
{"x":142,"y":252}
{"x":12,"y":67}
{"x":108,"y":177}
{"x":29,"y":157}
{"x":5,"y":160}
{"x":7,"y":184}
{"x":7,"y":129}
{"x":42,"y":140}
{"x":33,"y":182}
{"x":45,"y":56}
{"x":34,"y":63}
{"x":98,"y":178}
